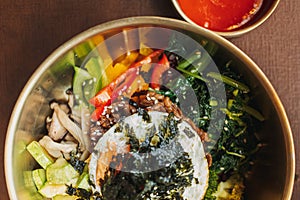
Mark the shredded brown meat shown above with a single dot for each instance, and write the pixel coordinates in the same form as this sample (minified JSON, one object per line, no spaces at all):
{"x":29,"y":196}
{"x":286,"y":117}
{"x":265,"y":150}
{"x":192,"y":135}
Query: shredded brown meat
{"x":147,"y":100}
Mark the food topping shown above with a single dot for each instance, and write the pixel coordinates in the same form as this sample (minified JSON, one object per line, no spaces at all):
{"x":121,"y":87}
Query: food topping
{"x":150,"y":101}
{"x":165,"y":159}
{"x":173,"y":134}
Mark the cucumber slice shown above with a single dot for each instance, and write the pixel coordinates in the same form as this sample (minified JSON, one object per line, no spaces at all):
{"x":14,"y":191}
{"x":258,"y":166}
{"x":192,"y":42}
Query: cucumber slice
{"x":31,"y":190}
{"x":40,"y":154}
{"x":39,"y":177}
{"x":64,"y":63}
{"x":32,"y":196}
{"x":83,"y":182}
{"x":87,"y":83}
{"x":83,"y":49}
{"x":28,"y":181}
{"x":51,"y":190}
{"x":61,"y":172}
{"x":95,"y":68}
{"x":64,"y":197}
{"x":80,"y":77}
{"x":35,"y":196}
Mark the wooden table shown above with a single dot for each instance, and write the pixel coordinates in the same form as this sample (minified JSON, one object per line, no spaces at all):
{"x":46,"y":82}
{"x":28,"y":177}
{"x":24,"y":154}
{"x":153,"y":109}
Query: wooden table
{"x":31,"y":30}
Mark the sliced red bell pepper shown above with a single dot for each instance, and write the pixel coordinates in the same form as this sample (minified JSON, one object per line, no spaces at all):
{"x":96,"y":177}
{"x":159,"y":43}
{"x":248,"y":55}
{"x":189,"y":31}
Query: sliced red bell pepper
{"x":97,"y":112}
{"x":162,"y":66}
{"x":105,"y":93}
{"x":108,"y":94}
{"x":148,"y":59}
{"x":103,"y":96}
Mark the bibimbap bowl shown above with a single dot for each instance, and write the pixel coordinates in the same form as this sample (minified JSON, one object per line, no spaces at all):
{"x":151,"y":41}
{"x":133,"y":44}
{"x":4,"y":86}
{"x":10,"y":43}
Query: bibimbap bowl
{"x":154,"y":105}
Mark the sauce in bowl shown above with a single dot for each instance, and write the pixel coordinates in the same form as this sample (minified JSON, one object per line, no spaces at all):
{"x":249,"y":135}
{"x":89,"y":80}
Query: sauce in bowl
{"x":220,"y":15}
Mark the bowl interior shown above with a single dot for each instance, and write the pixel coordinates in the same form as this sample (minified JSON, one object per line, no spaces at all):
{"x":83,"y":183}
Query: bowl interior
{"x":272,"y":176}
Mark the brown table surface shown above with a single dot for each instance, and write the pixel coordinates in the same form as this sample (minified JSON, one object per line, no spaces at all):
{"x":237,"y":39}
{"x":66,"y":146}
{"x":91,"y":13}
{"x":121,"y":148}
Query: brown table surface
{"x":30,"y":30}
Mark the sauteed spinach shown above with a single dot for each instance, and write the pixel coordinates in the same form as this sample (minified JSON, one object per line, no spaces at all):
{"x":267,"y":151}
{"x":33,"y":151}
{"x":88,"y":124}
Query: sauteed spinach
{"x":233,"y":150}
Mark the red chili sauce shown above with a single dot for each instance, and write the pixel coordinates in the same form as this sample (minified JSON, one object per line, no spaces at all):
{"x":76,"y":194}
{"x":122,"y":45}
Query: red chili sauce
{"x":220,"y":15}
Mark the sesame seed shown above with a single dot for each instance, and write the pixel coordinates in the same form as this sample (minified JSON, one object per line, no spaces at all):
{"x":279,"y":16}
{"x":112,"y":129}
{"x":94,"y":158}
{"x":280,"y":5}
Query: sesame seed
{"x":153,"y":98}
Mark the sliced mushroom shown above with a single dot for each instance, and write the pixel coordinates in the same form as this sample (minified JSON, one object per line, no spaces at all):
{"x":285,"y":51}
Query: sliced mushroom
{"x":70,"y":99}
{"x":56,"y":149}
{"x":69,"y":125}
{"x":65,"y":108}
{"x":85,"y":125}
{"x":69,"y":137}
{"x":76,"y":114}
{"x":56,"y":130}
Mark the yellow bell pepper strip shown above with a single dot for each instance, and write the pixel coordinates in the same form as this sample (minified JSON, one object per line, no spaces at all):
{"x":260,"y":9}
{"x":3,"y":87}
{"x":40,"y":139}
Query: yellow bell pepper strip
{"x":145,"y":50}
{"x":162,"y":66}
{"x":113,"y":71}
{"x":147,"y":60}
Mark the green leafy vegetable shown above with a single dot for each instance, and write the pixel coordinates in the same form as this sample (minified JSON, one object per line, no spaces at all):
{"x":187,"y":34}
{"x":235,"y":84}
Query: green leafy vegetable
{"x":229,"y":81}
{"x":233,"y":148}
{"x":213,"y":183}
